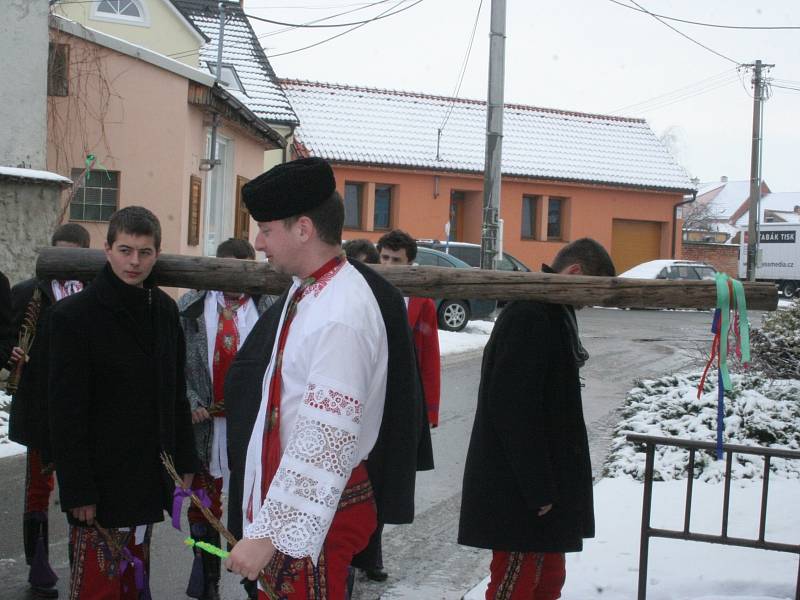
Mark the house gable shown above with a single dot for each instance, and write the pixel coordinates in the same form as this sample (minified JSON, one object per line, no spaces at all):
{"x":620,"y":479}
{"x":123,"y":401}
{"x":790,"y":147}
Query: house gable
{"x":155,"y":24}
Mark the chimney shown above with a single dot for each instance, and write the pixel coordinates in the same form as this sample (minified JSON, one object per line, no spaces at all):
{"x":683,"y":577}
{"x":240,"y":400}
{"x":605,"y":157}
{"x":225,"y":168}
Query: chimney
{"x":724,"y":179}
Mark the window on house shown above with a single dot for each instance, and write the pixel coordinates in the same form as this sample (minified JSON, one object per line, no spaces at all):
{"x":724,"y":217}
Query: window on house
{"x":529,"y":217}
{"x":383,"y":206}
{"x":97,"y":196}
{"x":121,"y":8}
{"x":228,"y":76}
{"x":353,"y":194}
{"x":555,"y":218}
{"x":58,"y":70}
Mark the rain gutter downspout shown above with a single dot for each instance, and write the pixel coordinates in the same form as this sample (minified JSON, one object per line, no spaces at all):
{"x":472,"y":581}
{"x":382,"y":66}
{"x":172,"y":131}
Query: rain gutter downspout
{"x":209,"y":163}
{"x":675,"y":218}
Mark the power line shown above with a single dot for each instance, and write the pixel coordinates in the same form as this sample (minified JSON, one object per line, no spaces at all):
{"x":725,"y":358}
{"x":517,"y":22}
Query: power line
{"x":679,"y":32}
{"x":312,"y":22}
{"x":703,"y":85}
{"x":346,"y":31}
{"x":463,"y":69}
{"x":703,"y":24}
{"x":785,"y":87}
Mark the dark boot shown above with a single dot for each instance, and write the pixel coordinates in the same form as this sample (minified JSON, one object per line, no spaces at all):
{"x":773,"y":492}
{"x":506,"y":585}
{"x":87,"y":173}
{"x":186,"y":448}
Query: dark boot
{"x":37,"y":548}
{"x":211,"y":568}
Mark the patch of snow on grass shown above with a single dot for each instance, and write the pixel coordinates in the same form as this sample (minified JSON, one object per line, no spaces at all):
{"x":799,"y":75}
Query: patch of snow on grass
{"x":758,"y":412}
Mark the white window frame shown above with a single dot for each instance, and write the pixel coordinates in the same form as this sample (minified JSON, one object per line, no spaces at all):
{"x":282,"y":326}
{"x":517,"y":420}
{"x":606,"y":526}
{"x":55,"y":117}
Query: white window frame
{"x":236,"y":84}
{"x":143,"y":21}
{"x":225,"y":205}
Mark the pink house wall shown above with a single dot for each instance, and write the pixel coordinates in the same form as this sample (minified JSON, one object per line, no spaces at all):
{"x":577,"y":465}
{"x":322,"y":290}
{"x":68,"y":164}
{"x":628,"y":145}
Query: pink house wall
{"x":149,"y":132}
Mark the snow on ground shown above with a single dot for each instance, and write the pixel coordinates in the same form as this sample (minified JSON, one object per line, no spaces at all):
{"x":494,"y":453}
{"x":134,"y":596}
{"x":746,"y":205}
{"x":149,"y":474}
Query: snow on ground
{"x":608,"y":567}
{"x":7,"y":448}
{"x":472,"y":338}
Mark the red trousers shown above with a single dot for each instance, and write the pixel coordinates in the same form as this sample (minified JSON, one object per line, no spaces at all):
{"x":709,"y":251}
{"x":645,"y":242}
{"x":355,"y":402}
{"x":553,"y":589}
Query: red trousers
{"x":213,"y":489}
{"x":354,"y":522}
{"x":96,"y":567}
{"x":38,"y":486}
{"x":526,"y":576}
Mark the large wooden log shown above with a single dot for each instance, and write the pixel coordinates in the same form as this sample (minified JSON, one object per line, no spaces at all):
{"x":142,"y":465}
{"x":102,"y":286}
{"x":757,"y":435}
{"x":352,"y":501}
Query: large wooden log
{"x":228,"y":274}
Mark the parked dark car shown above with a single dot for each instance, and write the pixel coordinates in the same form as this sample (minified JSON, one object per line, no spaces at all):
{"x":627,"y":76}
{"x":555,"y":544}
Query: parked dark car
{"x":453,"y":314}
{"x":471,"y":254}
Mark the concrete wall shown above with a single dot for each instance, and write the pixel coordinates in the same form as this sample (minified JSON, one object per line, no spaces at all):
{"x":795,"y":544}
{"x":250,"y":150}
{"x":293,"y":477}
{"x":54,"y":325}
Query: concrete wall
{"x":164,"y":31}
{"x":420,"y":205}
{"x":723,"y":257}
{"x":29,"y":214}
{"x":23,"y":93}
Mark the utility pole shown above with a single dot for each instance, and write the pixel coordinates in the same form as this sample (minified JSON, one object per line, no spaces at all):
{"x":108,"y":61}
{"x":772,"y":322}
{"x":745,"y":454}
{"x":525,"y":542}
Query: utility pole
{"x":494,"y":136}
{"x":755,"y":169}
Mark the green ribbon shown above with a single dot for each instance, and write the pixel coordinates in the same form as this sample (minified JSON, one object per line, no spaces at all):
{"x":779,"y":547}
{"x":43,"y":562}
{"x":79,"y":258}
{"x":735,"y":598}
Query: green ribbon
{"x":723,"y":304}
{"x":206,"y":547}
{"x":744,"y":322}
{"x":90,"y":161}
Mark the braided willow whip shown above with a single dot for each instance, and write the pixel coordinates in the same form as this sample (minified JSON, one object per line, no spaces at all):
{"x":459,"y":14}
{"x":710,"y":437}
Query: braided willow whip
{"x":169,"y":465}
{"x":27,"y":332}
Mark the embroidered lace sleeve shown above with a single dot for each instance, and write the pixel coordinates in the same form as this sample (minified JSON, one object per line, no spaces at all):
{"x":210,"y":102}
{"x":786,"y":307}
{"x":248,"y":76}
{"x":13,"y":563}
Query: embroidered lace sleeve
{"x":322,"y":449}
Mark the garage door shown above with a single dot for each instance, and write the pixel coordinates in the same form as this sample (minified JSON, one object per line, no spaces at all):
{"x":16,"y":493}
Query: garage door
{"x":634,"y":242}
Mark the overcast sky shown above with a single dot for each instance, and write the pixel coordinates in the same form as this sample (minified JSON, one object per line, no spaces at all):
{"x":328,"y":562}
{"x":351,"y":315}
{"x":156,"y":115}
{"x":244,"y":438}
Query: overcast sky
{"x":583,"y":55}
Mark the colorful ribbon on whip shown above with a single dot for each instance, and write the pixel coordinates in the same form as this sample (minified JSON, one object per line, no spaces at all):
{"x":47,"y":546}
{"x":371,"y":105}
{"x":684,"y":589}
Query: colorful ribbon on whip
{"x":206,"y":547}
{"x":731,"y":331}
{"x":178,"y":497}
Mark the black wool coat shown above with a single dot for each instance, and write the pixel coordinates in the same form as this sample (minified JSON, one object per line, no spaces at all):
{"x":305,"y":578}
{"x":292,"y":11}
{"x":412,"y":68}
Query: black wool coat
{"x":529,"y":446}
{"x":27,"y":424}
{"x":404,"y":442}
{"x":116,"y":399}
{"x":7,"y":330}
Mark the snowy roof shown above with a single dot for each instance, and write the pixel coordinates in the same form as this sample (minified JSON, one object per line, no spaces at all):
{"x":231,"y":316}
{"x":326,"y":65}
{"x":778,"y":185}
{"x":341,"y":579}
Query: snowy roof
{"x":391,"y":128}
{"x":726,"y":197}
{"x":782,"y":202}
{"x":242,"y":50}
{"x":33,"y":175}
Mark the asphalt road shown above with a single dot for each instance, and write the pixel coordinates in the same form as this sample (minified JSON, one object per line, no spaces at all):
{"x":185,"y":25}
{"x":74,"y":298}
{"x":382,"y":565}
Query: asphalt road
{"x":423,"y":560}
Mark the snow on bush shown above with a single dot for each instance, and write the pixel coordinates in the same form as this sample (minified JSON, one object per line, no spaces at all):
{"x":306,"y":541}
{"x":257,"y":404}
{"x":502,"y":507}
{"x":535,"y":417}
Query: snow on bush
{"x":775,"y":346}
{"x":758,"y":412}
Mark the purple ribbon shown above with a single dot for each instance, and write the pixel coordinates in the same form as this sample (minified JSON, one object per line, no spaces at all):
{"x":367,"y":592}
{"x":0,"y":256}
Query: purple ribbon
{"x":138,"y":568}
{"x":178,"y":497}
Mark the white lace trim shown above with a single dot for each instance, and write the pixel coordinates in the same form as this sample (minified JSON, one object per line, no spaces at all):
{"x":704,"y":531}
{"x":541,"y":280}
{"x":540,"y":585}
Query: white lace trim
{"x":318,"y":460}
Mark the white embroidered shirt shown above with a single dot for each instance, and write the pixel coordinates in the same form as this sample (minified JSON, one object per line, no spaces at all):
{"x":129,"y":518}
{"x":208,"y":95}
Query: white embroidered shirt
{"x":333,"y":387}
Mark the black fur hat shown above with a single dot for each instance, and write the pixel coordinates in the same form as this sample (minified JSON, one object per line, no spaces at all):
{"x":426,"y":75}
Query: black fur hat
{"x":289,"y":189}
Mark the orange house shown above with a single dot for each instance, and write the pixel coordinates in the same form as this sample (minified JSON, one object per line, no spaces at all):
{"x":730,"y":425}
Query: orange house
{"x":415,"y":162}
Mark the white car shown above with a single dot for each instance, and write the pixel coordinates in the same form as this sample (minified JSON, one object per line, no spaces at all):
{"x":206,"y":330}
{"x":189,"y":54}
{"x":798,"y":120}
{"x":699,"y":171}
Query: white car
{"x":671,"y":269}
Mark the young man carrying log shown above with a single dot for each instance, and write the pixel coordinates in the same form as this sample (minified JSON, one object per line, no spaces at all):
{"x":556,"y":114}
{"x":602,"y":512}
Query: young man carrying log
{"x":31,"y":301}
{"x":324,"y":370}
{"x":215,"y":325}
{"x":527,"y":492}
{"x":116,"y":399}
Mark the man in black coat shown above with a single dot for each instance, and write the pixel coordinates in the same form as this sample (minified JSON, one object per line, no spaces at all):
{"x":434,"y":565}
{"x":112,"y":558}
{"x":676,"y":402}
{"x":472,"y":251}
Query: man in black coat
{"x":31,"y":301}
{"x":7,"y":334}
{"x":527,"y":492}
{"x":117,"y":398}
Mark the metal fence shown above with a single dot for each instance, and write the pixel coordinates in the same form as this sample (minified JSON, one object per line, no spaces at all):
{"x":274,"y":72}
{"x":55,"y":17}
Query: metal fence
{"x":723,"y":538}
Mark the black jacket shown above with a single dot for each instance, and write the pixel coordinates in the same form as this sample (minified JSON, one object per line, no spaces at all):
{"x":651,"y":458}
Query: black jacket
{"x":27,"y":424}
{"x":7,"y":331}
{"x":529,"y":446}
{"x":116,"y":398}
{"x":404,"y":443}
